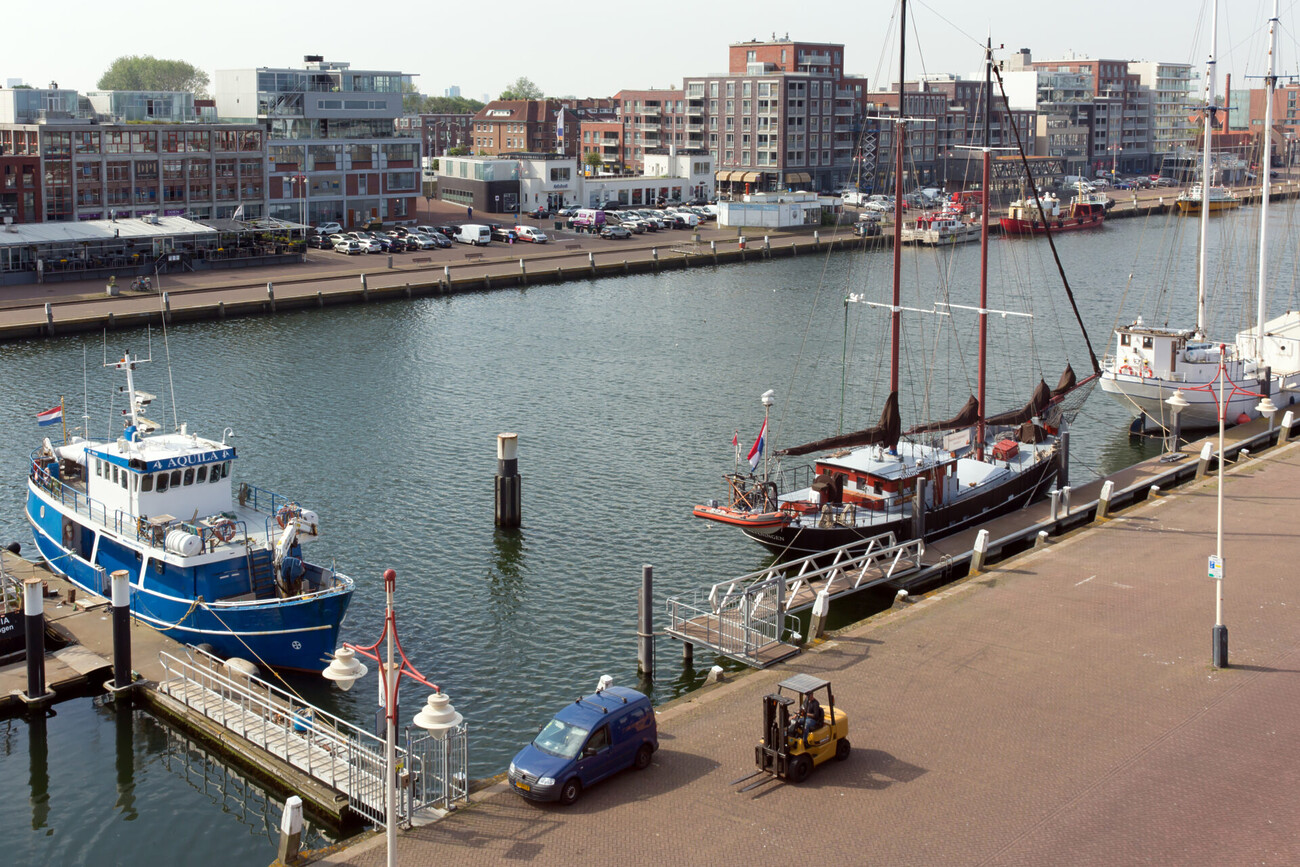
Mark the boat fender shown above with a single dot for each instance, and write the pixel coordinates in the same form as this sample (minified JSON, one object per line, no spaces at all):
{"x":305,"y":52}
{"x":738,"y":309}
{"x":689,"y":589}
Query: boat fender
{"x":241,"y":667}
{"x":180,"y":542}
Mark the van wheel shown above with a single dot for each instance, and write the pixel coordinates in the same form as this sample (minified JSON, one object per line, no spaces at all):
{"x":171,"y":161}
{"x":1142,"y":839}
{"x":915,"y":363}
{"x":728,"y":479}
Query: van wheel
{"x":842,"y":749}
{"x":570,"y":792}
{"x":643,"y":757}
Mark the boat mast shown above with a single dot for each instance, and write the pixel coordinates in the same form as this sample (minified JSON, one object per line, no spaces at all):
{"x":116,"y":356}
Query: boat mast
{"x":128,"y":365}
{"x":899,"y":137}
{"x":1205,"y":170}
{"x":1265,"y":168}
{"x":984,"y":244}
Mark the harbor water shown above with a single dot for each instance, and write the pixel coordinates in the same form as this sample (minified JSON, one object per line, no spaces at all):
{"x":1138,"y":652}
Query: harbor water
{"x":625,"y":393}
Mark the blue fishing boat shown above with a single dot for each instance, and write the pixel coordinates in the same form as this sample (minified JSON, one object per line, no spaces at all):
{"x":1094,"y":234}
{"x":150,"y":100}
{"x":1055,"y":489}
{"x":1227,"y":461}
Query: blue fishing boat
{"x":209,"y":561}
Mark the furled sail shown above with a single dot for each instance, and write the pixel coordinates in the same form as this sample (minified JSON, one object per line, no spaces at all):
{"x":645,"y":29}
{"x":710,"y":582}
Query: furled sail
{"x":1039,"y":402}
{"x":886,"y":434}
{"x":1067,"y":383}
{"x":968,"y":415}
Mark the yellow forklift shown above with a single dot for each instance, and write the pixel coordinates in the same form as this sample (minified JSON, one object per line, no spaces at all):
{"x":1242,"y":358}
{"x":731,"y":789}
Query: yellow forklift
{"x":799,"y":731}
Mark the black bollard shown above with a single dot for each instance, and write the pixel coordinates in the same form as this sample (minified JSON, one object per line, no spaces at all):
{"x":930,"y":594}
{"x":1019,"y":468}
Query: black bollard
{"x":34,"y":623}
{"x":645,"y":651}
{"x":121,"y":631}
{"x":509,"y":484}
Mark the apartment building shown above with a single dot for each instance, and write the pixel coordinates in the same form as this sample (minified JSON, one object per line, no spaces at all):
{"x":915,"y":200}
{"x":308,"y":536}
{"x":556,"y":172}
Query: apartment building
{"x":334,"y":151}
{"x":650,"y":119}
{"x":783,"y":116}
{"x":438,"y":132}
{"x":161,"y":155}
{"x":1119,"y":133}
{"x":1171,"y":87}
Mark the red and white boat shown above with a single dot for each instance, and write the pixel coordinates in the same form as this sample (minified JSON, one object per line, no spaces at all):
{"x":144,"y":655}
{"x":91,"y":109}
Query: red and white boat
{"x":1087,"y":210}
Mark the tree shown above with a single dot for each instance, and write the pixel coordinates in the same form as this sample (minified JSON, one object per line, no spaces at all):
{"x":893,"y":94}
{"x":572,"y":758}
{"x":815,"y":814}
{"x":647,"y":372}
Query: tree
{"x":136,"y":72}
{"x":458,"y":152}
{"x":522,"y":88}
{"x":593,"y":160}
{"x":412,"y":101}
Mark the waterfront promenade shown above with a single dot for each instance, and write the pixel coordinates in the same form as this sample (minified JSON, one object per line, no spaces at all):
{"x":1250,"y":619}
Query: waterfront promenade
{"x":327,"y":278}
{"x":1059,"y":708}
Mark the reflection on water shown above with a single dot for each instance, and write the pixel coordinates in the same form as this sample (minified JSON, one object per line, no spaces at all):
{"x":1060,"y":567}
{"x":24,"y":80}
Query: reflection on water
{"x":124,"y":742}
{"x":507,"y":573}
{"x":38,"y":774}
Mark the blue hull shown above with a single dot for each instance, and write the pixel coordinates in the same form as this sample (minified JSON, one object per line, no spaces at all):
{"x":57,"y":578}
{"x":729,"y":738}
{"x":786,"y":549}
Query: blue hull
{"x":297,"y":633}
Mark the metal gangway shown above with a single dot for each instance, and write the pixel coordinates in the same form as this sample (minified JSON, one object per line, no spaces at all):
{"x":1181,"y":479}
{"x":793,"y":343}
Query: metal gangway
{"x":432,"y":772}
{"x":748,"y":618}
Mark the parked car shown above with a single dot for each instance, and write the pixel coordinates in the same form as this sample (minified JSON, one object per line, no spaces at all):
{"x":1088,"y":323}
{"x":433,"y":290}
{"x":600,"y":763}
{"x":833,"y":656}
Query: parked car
{"x":587,"y":741}
{"x":320,"y":242}
{"x":537,"y":213}
{"x":367,"y":242}
{"x":391,"y":244}
{"x":348,"y":246}
{"x":615,"y":232}
{"x":531,"y":234}
{"x":328,"y":229}
{"x":440,"y":239}
{"x":424,"y":230}
{"x":635,"y":225}
{"x":449,"y":231}
{"x":1166,"y":182}
{"x":421,"y":241}
{"x":503,"y":233}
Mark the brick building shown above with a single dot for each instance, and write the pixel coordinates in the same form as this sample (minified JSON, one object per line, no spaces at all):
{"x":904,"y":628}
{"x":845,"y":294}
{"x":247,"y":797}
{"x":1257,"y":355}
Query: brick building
{"x":784,"y":115}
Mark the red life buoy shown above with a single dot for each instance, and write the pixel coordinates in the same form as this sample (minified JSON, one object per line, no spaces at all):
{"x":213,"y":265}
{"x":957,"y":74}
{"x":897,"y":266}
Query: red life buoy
{"x":1124,"y":371}
{"x":286,"y":512}
{"x":224,"y":530}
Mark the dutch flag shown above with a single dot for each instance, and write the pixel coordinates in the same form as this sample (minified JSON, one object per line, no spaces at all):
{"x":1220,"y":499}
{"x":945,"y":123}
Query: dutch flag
{"x":756,"y":453}
{"x":49,"y":417}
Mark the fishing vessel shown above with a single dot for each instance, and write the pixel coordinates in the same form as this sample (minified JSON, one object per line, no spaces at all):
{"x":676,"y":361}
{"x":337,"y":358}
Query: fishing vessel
{"x":1153,"y":363}
{"x":1025,"y":216}
{"x":209,"y":561}
{"x":924,"y":482}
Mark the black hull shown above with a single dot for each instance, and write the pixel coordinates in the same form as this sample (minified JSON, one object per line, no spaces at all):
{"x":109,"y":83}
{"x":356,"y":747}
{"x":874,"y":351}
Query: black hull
{"x":1016,"y":493}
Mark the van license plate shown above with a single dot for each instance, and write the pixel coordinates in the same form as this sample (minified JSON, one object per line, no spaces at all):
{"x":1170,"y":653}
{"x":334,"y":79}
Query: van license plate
{"x":524,"y":786}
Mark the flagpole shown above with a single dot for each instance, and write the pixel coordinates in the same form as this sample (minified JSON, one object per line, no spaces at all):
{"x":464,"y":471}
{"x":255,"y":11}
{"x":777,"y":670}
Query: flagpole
{"x":735,"y":447}
{"x":63,"y":420}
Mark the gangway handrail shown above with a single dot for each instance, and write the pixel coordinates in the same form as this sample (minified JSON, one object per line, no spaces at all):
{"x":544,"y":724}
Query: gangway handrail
{"x":289,"y":717}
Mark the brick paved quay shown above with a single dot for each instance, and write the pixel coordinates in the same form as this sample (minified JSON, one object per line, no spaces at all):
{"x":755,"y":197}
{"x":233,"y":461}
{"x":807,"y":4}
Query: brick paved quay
{"x":1059,"y":708}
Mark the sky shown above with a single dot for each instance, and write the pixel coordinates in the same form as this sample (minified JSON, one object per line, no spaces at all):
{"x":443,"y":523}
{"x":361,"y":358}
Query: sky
{"x":596,"y":49}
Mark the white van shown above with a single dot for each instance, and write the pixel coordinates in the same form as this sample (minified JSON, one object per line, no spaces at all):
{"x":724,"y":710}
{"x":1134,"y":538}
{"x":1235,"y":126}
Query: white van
{"x":853,"y":197}
{"x":474,"y":233}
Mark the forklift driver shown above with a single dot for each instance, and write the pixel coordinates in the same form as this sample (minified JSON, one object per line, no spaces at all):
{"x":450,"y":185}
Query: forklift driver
{"x":810,"y":718}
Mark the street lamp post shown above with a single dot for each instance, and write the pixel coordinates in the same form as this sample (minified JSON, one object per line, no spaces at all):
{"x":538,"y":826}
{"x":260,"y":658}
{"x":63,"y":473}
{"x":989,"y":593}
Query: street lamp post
{"x":1177,"y":403}
{"x":438,"y":716}
{"x":1219,"y":635}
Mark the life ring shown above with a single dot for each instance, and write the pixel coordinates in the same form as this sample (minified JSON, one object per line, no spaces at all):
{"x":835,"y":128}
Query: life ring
{"x":1126,"y":370}
{"x":224,"y":530}
{"x":286,"y":512}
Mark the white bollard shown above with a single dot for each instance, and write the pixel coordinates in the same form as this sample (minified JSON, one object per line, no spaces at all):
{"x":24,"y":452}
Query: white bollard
{"x":1288,"y":419}
{"x":821,"y":607}
{"x":978,"y":554}
{"x":1103,"y":499}
{"x":1041,"y":541}
{"x":1203,"y":466}
{"x":290,"y":830}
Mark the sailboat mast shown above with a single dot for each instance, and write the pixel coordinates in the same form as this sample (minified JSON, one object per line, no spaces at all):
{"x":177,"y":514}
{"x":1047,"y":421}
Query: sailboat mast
{"x":984,"y":244}
{"x":1205,"y":170}
{"x":1265,"y":170}
{"x":899,"y":136}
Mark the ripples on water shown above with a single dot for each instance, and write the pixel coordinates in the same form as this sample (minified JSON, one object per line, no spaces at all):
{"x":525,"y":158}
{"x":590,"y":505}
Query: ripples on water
{"x":625,"y":393}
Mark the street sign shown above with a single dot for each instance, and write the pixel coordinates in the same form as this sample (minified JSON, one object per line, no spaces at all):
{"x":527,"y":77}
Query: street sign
{"x":1216,"y":568}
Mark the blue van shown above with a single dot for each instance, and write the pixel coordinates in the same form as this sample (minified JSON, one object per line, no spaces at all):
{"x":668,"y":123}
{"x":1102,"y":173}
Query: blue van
{"x":593,"y":738}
